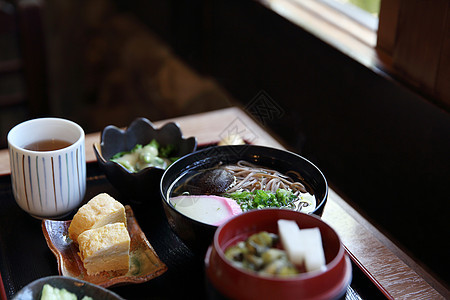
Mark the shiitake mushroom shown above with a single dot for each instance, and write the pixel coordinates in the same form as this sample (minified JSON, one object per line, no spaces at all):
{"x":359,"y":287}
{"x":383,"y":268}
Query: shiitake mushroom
{"x":210,"y":182}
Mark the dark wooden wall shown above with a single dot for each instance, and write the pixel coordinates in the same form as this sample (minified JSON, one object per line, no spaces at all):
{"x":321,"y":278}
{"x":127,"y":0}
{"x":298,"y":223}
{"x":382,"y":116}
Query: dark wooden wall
{"x":384,"y":147}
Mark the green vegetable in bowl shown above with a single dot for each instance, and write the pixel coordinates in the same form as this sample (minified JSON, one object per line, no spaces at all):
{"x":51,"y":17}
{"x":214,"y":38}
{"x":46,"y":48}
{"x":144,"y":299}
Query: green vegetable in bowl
{"x":150,"y":155}
{"x":262,"y":199}
{"x":51,"y":293}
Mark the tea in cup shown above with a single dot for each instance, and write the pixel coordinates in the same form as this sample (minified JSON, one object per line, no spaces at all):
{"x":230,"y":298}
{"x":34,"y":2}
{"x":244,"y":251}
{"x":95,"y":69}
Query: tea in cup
{"x":48,"y":166}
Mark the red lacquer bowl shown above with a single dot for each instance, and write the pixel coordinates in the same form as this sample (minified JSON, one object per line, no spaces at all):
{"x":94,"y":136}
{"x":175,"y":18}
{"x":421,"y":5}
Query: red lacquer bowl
{"x":235,"y":283}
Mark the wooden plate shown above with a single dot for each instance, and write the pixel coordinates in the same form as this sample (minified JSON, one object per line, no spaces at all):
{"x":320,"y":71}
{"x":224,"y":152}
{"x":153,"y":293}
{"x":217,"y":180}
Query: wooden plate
{"x":144,"y":262}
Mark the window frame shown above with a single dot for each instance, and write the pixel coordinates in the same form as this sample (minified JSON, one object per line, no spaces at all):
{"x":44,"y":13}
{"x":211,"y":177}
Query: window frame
{"x":386,"y":50}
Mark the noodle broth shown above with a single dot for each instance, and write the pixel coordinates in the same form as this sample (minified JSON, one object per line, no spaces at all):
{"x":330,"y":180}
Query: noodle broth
{"x":250,"y":177}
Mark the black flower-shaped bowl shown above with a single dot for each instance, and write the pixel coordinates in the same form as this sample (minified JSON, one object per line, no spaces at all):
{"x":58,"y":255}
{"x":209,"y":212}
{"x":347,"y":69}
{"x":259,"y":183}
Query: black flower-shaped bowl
{"x":143,"y":185}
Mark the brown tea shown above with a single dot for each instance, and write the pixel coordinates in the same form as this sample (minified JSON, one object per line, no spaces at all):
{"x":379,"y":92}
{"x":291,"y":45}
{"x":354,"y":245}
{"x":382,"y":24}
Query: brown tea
{"x":47,"y":145}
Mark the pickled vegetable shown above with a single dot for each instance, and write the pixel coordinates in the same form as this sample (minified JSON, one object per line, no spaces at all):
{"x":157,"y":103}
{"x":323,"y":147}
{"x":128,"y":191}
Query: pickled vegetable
{"x":258,"y":253}
{"x":51,"y":293}
{"x":150,"y":155}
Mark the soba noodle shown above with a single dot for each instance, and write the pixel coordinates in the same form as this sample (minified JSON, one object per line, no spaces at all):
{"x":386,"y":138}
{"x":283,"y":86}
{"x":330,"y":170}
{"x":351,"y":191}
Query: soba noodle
{"x":251,"y":177}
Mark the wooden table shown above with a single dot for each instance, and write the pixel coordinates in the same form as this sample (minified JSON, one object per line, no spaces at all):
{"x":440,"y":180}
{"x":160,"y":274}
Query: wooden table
{"x":395,"y":272}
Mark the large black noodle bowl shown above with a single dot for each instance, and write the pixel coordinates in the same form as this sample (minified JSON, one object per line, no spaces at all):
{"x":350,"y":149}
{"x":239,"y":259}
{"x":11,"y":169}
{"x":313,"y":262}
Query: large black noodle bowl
{"x":198,"y":236}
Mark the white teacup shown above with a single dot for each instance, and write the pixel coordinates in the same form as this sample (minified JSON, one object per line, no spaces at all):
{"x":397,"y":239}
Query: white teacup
{"x":47,"y":181}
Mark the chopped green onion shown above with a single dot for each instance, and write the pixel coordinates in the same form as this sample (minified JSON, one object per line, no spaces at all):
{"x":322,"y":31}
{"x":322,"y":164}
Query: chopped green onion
{"x":262,"y":199}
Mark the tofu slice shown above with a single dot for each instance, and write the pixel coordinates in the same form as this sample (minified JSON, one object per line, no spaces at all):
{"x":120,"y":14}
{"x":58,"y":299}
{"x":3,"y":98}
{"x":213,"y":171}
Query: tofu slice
{"x":99,"y":211}
{"x":303,"y":246}
{"x":105,"y":248}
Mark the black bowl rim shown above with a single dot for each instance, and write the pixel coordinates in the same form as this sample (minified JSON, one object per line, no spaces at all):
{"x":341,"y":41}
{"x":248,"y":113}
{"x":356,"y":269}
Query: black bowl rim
{"x":262,"y":148}
{"x":44,"y":280}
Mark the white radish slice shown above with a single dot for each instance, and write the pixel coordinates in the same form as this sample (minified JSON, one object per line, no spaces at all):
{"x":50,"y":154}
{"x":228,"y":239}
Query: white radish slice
{"x":291,"y":241}
{"x":303,"y":246}
{"x":213,"y":210}
{"x":314,"y":255}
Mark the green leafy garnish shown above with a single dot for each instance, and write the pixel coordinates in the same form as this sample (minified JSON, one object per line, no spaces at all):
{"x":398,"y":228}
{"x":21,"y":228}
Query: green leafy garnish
{"x":166,"y":151}
{"x":154,"y":143}
{"x":263,"y":199}
{"x":119,"y":154}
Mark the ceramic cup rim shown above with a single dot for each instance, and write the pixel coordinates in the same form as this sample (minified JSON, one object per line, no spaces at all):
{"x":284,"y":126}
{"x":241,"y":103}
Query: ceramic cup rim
{"x":12,"y":134}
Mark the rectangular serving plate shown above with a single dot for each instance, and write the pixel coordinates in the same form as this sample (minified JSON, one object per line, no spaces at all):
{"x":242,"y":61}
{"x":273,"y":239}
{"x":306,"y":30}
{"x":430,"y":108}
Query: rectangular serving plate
{"x":144,"y":262}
